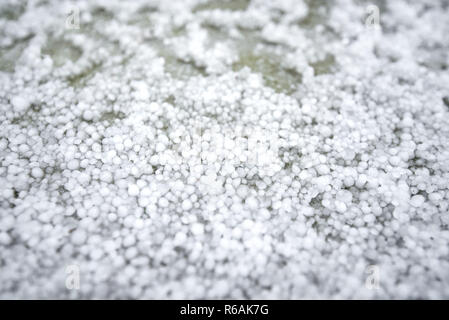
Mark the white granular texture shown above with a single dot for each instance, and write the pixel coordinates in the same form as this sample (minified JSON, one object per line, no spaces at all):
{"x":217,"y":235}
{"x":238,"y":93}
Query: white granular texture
{"x":224,"y":149}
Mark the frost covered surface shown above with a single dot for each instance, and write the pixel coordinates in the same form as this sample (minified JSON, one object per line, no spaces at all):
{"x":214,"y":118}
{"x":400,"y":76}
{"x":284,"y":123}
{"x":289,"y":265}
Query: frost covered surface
{"x":216,"y":149}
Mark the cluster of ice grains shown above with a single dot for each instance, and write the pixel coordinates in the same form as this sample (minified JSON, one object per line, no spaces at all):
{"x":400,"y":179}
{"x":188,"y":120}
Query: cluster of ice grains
{"x":245,"y":149}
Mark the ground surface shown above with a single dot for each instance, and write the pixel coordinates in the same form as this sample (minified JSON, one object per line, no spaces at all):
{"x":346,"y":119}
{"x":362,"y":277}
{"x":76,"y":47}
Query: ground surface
{"x":216,"y":149}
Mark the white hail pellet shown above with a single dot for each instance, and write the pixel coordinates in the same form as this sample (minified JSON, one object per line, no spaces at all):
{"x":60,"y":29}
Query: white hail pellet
{"x":37,"y":172}
{"x":20,"y":104}
{"x":133,"y":190}
{"x":417,"y":201}
{"x":79,"y":237}
{"x":186,"y":205}
{"x":73,"y":164}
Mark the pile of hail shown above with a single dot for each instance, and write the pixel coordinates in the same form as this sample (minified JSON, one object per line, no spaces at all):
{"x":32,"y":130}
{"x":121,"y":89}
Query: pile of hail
{"x":224,"y":149}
